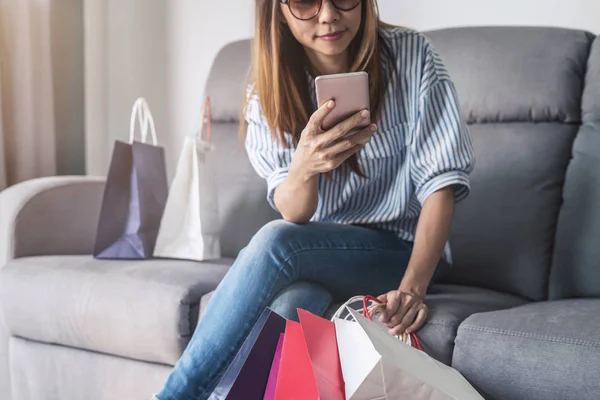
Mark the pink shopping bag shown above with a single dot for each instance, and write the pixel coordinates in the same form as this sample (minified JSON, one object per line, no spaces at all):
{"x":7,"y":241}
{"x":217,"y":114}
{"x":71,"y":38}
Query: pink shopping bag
{"x":272,"y":383}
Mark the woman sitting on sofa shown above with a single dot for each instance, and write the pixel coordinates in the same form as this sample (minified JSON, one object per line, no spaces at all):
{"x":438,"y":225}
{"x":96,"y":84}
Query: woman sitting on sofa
{"x":368,"y":213}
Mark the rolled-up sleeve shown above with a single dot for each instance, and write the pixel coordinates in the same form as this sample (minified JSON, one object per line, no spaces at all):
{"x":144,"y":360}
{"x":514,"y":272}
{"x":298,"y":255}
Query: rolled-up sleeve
{"x":269,"y":158}
{"x":442,"y":150}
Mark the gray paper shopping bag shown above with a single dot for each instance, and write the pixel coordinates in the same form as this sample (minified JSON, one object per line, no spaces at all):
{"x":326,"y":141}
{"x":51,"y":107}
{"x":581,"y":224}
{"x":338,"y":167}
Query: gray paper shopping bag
{"x":135,"y":194}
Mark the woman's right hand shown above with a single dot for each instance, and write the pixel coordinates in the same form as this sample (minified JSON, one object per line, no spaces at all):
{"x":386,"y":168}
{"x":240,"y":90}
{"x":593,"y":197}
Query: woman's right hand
{"x":320,"y":151}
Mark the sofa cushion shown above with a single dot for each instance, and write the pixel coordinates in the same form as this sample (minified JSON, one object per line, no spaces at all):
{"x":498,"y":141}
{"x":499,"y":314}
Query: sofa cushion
{"x":503,"y":233}
{"x":576,"y":266}
{"x":145,"y":310}
{"x":523,"y":112}
{"x":243,"y":206}
{"x":448,"y":305}
{"x":575,"y":269}
{"x":540,"y":351}
{"x":591,"y":94}
{"x":516,"y":74}
{"x":227,"y":80}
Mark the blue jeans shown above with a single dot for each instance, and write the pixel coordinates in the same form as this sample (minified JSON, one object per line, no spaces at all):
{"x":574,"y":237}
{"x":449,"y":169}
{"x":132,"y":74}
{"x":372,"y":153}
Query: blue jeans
{"x":316,"y":263}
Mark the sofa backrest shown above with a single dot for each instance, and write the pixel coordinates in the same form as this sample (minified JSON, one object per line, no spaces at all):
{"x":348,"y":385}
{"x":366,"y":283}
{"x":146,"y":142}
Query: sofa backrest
{"x":520,"y":90}
{"x":576,"y":265}
{"x":243,"y":207}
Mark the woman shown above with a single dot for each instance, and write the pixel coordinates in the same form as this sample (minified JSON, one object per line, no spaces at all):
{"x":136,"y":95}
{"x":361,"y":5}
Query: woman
{"x":364,"y":214}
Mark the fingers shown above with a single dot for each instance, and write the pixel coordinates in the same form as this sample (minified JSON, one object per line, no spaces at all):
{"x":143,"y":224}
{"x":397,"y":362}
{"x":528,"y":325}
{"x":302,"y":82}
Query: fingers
{"x":406,"y":320}
{"x":403,"y":313}
{"x":420,"y":320}
{"x":326,"y":165}
{"x":414,"y":319}
{"x":316,"y":119}
{"x":341,"y":129}
{"x":361,"y":138}
{"x":406,"y":304}
{"x":391,"y":307}
{"x":343,"y":156}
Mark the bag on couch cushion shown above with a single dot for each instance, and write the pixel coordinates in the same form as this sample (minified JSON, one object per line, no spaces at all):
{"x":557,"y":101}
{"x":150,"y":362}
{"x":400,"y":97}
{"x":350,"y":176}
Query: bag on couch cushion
{"x":189,"y":228}
{"x":248,"y":374}
{"x":310,"y":363}
{"x":135,"y":194}
{"x":376,"y":365}
{"x":272,"y":382}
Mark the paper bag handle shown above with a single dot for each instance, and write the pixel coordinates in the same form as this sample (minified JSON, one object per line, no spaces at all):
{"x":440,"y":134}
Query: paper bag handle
{"x":145,"y":120}
{"x":205,"y":116}
{"x":410,"y":339}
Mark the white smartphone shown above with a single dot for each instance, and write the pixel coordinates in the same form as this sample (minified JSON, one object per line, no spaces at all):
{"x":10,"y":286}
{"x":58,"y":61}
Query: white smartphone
{"x":350,"y":91}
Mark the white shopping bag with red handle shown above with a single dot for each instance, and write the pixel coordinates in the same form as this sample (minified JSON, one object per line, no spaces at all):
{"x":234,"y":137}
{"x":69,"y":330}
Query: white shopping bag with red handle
{"x":189,"y":228}
{"x":378,"y":366}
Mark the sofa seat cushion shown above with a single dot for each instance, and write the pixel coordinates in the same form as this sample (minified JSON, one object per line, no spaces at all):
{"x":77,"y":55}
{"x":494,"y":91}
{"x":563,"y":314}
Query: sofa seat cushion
{"x":145,"y":310}
{"x":448,"y":305}
{"x":540,"y":351}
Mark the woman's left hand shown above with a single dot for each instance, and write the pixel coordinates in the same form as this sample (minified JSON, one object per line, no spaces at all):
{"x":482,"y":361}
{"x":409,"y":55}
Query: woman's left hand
{"x":404,"y":312}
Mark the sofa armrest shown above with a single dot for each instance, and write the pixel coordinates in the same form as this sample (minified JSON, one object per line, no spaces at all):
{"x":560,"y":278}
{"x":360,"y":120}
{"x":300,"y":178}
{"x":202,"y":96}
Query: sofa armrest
{"x":49,"y":216}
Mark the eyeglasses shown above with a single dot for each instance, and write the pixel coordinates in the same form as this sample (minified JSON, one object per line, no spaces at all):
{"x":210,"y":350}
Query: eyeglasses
{"x":308,"y":9}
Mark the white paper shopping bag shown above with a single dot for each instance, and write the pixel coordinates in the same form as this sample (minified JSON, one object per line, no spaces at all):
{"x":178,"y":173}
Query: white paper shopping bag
{"x":189,"y":227}
{"x":377,"y":366}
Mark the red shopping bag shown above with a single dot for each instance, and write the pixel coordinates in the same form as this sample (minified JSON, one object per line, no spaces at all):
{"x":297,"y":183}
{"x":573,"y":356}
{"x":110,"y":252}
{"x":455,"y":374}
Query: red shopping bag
{"x":310,"y":364}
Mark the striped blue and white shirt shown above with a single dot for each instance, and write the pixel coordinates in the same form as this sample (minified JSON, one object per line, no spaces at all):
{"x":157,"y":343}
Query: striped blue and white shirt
{"x":421,"y":145}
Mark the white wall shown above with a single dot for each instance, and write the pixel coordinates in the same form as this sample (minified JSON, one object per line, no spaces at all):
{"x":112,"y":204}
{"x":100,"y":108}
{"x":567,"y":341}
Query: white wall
{"x":433,"y":14}
{"x":198,"y":30}
{"x":220,"y":26}
{"x":158,"y":49}
{"x":163,"y":49}
{"x":127,"y":56}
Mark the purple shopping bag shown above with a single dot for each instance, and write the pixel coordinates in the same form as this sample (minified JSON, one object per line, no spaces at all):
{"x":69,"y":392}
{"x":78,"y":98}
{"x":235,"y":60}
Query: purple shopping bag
{"x":248,"y":374}
{"x":134,"y":196}
{"x":272,"y":383}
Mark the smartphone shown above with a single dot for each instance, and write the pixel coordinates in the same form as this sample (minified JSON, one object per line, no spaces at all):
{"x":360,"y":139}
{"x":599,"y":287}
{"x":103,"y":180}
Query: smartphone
{"x":350,"y":91}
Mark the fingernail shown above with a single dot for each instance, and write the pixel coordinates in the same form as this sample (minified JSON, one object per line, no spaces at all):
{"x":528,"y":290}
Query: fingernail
{"x":373,"y":128}
{"x":364,"y":114}
{"x":331,"y":104}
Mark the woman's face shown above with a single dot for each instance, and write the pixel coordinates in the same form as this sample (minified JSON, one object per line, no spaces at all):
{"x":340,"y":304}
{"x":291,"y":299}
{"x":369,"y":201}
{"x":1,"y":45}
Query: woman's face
{"x":329,"y":33}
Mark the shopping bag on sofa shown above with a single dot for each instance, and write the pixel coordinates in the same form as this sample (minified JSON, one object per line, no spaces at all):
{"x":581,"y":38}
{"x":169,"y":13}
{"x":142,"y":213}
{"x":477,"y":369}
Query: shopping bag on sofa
{"x":272,"y":382}
{"x":248,"y":374}
{"x":310,"y":365}
{"x":371,"y":306}
{"x":135,"y":193}
{"x":376,"y":365}
{"x":190,"y":224}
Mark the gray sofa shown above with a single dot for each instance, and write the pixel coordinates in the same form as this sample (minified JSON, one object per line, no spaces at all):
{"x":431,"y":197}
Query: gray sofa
{"x":518,"y":315}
